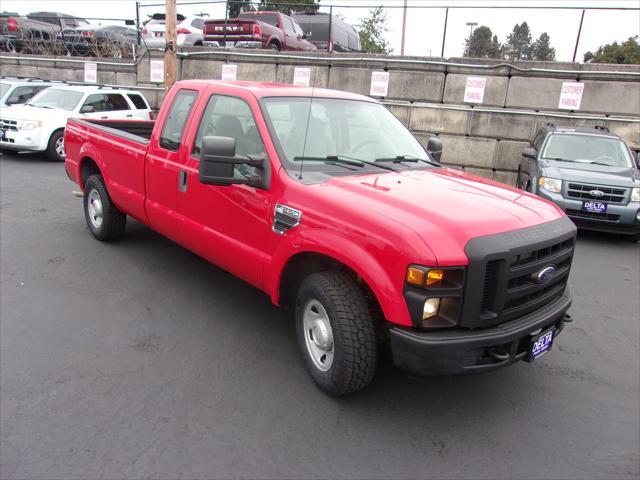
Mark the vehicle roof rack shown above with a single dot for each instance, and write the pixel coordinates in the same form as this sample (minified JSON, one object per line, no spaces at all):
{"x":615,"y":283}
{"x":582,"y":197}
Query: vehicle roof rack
{"x":550,"y":124}
{"x":601,"y":127}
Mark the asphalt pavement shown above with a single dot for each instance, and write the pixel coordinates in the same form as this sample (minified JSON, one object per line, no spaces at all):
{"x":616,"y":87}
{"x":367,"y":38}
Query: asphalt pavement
{"x":137,"y":359}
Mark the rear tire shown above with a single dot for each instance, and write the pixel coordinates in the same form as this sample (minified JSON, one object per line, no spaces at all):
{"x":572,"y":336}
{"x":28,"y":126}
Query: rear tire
{"x":104,"y":220}
{"x":633,"y":238}
{"x":55,"y":148}
{"x":336,"y":333}
{"x":274,"y":46}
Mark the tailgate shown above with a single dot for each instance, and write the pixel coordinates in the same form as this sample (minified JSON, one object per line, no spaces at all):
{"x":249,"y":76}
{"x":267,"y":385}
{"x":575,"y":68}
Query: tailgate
{"x":229,"y":28}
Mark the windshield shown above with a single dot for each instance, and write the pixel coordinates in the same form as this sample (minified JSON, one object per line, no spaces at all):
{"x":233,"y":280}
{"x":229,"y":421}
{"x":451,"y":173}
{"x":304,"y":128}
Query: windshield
{"x":56,"y":98}
{"x":594,"y":149}
{"x":4,"y":88}
{"x":350,"y":129}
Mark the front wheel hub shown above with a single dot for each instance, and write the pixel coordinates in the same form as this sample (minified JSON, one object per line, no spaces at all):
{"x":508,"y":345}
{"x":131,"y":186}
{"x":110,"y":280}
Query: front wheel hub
{"x":318,"y":335}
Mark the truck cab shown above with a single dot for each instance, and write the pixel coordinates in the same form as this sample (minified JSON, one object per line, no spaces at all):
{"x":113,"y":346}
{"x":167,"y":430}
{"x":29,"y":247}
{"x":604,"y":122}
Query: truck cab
{"x":327,"y":203}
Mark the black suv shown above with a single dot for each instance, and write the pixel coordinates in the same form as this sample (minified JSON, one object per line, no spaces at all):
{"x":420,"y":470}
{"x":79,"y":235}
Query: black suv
{"x":590,"y":173}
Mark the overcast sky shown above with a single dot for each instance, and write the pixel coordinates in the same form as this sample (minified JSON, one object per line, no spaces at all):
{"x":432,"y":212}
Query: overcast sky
{"x":424,"y":26}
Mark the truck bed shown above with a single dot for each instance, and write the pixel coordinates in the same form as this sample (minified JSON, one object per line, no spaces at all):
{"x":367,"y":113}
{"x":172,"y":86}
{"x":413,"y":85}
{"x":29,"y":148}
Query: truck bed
{"x":135,"y":130}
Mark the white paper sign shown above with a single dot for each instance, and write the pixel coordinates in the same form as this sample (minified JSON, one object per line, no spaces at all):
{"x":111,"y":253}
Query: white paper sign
{"x":474,"y":89}
{"x":91,"y":72}
{"x":571,"y":96}
{"x":156,"y":71}
{"x":301,"y":76}
{"x":379,"y":84}
{"x":229,"y":72}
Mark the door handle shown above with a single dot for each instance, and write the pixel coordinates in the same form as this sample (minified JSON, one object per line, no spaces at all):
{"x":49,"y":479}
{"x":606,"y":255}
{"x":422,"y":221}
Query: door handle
{"x":130,"y":116}
{"x":103,"y":118}
{"x":182,"y":181}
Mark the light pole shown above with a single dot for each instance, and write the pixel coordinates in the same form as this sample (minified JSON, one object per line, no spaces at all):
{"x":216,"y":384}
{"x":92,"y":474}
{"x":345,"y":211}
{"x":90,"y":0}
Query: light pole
{"x":404,"y":27}
{"x":170,"y":39}
{"x":470,"y":25}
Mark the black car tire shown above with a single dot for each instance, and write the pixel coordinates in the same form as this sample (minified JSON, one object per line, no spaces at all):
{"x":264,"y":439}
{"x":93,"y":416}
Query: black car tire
{"x":355,"y":347}
{"x":274,"y":46}
{"x":52,"y":152}
{"x":113,"y":221}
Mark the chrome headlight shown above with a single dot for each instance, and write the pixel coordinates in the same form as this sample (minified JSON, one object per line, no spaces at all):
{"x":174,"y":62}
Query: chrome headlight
{"x":550,"y":184}
{"x":635,"y":194}
{"x":31,"y":124}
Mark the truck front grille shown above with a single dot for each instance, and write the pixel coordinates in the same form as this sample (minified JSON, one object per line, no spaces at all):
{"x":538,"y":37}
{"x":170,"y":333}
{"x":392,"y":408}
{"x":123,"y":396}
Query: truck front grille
{"x":504,"y":281}
{"x":581,"y":191}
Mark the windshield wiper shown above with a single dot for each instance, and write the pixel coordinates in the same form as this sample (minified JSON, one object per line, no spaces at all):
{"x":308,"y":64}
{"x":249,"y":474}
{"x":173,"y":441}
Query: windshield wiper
{"x":39,"y":106}
{"x":405,"y":158}
{"x":559,"y":159}
{"x":343,"y":159}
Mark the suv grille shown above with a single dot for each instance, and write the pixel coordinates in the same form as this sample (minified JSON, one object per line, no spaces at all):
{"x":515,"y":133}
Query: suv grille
{"x":9,"y":124}
{"x":607,"y":217}
{"x":611,"y":194}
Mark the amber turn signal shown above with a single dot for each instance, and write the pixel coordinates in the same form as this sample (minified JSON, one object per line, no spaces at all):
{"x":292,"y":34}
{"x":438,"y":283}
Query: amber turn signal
{"x":434,"y":277}
{"x":415,"y":276}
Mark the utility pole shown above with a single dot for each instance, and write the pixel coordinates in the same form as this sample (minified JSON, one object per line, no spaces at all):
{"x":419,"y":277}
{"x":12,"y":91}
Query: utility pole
{"x":575,"y":50}
{"x":470,"y":25}
{"x":170,"y":44}
{"x":404,"y":27}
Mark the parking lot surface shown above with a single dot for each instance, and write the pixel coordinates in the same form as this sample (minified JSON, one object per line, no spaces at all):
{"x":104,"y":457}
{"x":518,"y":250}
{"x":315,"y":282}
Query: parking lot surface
{"x":137,"y":359}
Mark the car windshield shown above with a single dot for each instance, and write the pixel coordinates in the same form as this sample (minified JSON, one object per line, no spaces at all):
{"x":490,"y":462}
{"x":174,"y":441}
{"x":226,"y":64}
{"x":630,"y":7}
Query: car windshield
{"x":4,"y":88}
{"x":594,"y":149}
{"x":56,"y":98}
{"x":337,"y":136}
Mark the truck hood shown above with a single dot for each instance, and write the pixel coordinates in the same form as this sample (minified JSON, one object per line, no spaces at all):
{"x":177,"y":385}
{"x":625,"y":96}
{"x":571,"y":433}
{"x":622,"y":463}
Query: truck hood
{"x":26,"y":112}
{"x":589,"y":173}
{"x":446,"y":208}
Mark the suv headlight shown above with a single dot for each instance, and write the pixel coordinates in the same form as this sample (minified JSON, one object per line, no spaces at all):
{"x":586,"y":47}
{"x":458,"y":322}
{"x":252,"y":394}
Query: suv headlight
{"x":635,"y":194}
{"x":550,"y":184}
{"x":30,"y":124}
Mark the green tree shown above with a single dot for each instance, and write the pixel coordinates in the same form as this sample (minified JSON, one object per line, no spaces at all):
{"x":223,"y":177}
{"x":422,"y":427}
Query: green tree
{"x":542,"y":50}
{"x":371,"y":31}
{"x":482,"y":44}
{"x":518,"y":46}
{"x":234,"y":7}
{"x":627,"y":52}
{"x":289,"y":6}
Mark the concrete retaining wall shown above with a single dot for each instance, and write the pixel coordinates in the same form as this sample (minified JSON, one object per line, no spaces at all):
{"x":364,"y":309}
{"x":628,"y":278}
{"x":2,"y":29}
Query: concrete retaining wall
{"x":428,"y":97}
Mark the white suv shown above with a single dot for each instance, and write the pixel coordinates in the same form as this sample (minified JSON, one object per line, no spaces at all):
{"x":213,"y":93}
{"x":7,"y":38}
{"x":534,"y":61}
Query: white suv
{"x":14,"y":91}
{"x":188,"y":31}
{"x":38,"y":125}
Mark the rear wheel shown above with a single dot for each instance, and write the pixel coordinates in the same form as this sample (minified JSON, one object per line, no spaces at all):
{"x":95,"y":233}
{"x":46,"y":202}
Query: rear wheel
{"x":55,"y":148}
{"x":336,"y":333}
{"x":104,"y":220}
{"x":274,"y":46}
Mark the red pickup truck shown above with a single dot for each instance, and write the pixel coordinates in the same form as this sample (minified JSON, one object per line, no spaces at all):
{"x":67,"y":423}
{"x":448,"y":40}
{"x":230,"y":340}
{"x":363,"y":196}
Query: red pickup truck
{"x":273,"y":30}
{"x":326,"y":202}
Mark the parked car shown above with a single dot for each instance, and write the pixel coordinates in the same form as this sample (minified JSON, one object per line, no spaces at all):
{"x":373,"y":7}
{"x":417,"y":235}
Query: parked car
{"x":112,"y":41}
{"x":38,"y":125}
{"x":23,"y":35}
{"x":61,"y":20}
{"x":328,"y":32}
{"x":15,"y":91}
{"x":188,"y":31}
{"x":273,"y":30}
{"x":590,"y":173}
{"x":326,"y":202}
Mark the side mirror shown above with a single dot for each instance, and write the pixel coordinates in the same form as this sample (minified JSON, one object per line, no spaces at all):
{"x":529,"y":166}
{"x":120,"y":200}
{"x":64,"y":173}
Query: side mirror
{"x":434,"y":147}
{"x":530,"y":152}
{"x":304,"y":36}
{"x":87,"y":109}
{"x":218,"y":160}
{"x":638,"y":159}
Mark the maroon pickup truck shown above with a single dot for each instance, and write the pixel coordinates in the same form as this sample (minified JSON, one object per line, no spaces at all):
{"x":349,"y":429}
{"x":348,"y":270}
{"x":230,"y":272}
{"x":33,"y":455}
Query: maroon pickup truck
{"x":272,"y":30}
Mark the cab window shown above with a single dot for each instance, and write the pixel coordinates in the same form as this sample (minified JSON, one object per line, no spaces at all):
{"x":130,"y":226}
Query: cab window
{"x":176,"y":120}
{"x":230,"y":117}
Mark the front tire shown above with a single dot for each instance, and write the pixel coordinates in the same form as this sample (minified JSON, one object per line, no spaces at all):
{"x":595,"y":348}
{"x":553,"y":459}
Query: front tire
{"x":104,"y":220}
{"x":336,"y":333}
{"x":55,"y":148}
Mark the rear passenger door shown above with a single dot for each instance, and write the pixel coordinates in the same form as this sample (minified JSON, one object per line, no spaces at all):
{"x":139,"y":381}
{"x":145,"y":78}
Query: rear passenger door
{"x":228,"y":225}
{"x":106,"y":106}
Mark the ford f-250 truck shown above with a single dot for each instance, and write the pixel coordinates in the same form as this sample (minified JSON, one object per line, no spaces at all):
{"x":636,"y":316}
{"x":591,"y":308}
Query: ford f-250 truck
{"x":325,"y":201}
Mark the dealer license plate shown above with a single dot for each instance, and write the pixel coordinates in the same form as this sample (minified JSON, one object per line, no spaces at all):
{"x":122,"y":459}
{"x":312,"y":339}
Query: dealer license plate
{"x":594,"y":206}
{"x":540,"y":345}
{"x":158,"y":34}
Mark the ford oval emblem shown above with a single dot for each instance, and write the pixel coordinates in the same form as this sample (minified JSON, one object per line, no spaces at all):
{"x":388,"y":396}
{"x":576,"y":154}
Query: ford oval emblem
{"x":596,"y":193}
{"x":545,"y":275}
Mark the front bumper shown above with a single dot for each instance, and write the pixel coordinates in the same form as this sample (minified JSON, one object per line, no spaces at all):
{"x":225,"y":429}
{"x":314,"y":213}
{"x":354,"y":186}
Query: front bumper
{"x":32,"y":140}
{"x":465,"y":351}
{"x":618,"y":219}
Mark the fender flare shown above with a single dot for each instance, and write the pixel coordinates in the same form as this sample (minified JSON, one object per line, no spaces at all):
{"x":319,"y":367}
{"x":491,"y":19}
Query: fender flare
{"x":90,"y":151}
{"x":320,"y":241}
